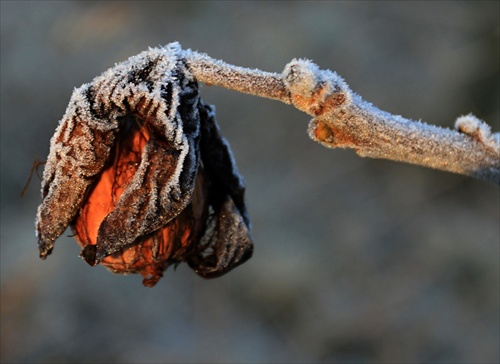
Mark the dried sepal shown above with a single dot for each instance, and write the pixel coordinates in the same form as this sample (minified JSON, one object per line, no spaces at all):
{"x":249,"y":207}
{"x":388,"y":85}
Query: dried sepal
{"x":127,"y":171}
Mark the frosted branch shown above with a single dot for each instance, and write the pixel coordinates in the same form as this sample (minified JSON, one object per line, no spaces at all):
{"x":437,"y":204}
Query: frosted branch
{"x":250,"y":81}
{"x":342,"y":119}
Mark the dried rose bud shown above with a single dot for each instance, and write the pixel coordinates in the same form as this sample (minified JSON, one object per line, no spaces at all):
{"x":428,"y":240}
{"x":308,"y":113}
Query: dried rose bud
{"x":138,"y":168}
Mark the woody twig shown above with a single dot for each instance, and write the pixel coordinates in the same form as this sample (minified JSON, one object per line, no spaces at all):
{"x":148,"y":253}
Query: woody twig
{"x":342,"y":119}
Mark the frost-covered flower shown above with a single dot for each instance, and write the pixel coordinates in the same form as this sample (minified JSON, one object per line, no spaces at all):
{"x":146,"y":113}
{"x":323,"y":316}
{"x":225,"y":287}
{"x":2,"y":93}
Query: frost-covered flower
{"x":138,"y":168}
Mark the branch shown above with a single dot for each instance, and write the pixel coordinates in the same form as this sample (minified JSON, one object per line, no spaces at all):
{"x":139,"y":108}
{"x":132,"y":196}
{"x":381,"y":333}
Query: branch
{"x":343,"y":119}
{"x":249,"y":81}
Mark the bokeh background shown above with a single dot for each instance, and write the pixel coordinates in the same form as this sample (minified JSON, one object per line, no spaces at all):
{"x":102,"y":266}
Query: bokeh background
{"x":356,"y":260}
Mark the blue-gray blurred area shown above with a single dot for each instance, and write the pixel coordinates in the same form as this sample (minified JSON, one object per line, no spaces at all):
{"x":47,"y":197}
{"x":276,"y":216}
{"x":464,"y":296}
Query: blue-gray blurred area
{"x":356,"y":260}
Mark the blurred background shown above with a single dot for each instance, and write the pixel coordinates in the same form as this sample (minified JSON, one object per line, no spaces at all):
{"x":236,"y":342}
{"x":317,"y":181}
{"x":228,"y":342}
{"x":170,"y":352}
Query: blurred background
{"x":356,"y":260}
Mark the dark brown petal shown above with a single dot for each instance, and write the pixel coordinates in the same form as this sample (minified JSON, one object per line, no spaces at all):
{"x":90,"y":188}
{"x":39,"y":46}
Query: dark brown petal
{"x":80,"y":148}
{"x":220,"y":164}
{"x":230,"y":244}
{"x":227,"y":242}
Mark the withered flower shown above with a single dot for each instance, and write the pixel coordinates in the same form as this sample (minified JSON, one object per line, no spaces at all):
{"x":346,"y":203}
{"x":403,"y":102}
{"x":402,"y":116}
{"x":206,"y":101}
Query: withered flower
{"x":139,"y":170}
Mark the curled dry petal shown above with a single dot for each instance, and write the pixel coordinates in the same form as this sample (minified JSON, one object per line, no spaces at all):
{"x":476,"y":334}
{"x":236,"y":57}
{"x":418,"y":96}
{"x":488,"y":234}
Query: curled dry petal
{"x":228,"y":233}
{"x":133,"y":168}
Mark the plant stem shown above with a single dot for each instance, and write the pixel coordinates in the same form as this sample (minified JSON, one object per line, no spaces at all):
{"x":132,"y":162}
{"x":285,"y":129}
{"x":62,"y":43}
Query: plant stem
{"x":249,"y":81}
{"x":342,"y":119}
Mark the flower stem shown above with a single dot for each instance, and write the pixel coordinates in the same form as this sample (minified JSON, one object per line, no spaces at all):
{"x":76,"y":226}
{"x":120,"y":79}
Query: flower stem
{"x":342,"y":119}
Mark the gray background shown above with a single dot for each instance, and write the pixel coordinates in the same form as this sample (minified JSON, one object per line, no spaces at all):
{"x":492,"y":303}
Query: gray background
{"x":355,"y":260}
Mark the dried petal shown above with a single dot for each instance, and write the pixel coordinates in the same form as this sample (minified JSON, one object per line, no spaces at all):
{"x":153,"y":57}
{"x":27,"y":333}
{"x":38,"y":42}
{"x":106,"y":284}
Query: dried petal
{"x":229,"y":236}
{"x":153,"y":253}
{"x":79,"y":150}
{"x":126,"y":169}
{"x":148,"y":85}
